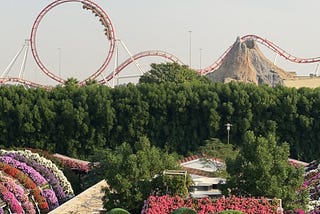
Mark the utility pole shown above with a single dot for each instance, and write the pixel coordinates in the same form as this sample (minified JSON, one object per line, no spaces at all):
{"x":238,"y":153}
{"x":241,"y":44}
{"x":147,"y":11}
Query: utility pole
{"x":190,"y":32}
{"x":59,"y":55}
{"x":200,"y":58}
{"x":228,"y":125}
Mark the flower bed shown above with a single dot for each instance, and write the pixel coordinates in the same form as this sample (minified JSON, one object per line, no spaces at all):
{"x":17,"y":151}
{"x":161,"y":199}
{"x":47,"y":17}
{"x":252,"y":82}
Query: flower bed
{"x":312,"y":181}
{"x":166,"y":204}
{"x":10,"y":199}
{"x":45,"y":172}
{"x":66,"y":191}
{"x":27,"y":183}
{"x":30,"y":183}
{"x":37,"y":178}
{"x":74,"y":164}
{"x":33,"y":174}
{"x":16,"y":188}
{"x":51,"y":198}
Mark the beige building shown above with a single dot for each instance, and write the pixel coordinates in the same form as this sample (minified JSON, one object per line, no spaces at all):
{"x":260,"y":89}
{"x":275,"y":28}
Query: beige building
{"x":201,"y":170}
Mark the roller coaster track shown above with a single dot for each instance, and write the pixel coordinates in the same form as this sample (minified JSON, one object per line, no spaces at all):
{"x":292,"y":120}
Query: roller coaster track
{"x":130,"y":60}
{"x":23,"y":82}
{"x":156,"y":53}
{"x":109,"y":31}
{"x":270,"y":45}
{"x":87,"y":5}
{"x":266,"y":43}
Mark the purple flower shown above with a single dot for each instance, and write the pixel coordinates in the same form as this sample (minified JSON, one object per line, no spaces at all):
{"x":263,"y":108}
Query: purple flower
{"x":20,"y":195}
{"x":17,"y":190}
{"x":45,"y":172}
{"x":29,"y":208}
{"x":11,"y":200}
{"x":51,"y":198}
{"x":32,"y":173}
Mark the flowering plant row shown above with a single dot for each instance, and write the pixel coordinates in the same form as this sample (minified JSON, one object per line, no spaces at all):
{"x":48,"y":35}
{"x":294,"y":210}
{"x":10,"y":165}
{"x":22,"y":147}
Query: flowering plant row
{"x":166,"y":204}
{"x":16,"y":188}
{"x":51,"y":198}
{"x":45,"y":172}
{"x":31,"y":172}
{"x":35,"y":176}
{"x":312,"y":181}
{"x":40,"y":200}
{"x":71,"y":163}
{"x":11,"y":200}
{"x":63,"y":182}
{"x":27,"y":183}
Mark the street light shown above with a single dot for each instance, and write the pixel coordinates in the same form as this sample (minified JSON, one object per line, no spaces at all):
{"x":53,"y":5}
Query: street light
{"x":228,"y":125}
{"x":190,"y":32}
{"x":200,"y":59}
{"x":59,"y":55}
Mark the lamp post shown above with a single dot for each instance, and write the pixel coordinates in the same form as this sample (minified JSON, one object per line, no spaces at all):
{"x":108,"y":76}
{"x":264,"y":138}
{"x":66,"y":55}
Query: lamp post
{"x":200,"y":58}
{"x":228,"y":125}
{"x":59,"y":55}
{"x":190,"y":32}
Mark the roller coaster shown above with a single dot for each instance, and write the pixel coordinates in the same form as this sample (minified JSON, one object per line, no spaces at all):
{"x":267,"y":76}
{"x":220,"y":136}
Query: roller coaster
{"x":112,"y":40}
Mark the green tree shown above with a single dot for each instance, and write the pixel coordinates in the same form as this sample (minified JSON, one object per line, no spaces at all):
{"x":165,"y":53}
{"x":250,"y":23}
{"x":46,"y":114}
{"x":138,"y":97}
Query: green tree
{"x":129,"y":172}
{"x":101,"y":118}
{"x":71,"y":83}
{"x":215,"y":148}
{"x":172,"y":183}
{"x":131,"y":116}
{"x":172,"y":72}
{"x":262,"y":169}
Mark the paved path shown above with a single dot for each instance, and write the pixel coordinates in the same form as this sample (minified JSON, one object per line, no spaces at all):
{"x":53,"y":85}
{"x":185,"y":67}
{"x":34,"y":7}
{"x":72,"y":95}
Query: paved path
{"x":87,"y":202}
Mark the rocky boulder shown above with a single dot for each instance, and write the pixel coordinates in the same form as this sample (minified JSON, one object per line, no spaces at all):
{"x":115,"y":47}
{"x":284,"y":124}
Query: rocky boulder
{"x":246,"y":63}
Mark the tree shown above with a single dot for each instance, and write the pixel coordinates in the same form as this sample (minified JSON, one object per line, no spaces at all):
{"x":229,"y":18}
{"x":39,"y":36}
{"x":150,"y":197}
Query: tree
{"x":215,"y":148}
{"x":175,"y":183}
{"x":131,"y":115}
{"x":172,"y":72}
{"x":129,"y":172}
{"x":72,"y":83}
{"x":262,"y":169}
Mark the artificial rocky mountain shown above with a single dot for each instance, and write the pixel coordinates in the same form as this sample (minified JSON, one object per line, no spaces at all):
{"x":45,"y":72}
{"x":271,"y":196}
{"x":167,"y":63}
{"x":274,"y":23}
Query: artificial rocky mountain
{"x":246,"y":63}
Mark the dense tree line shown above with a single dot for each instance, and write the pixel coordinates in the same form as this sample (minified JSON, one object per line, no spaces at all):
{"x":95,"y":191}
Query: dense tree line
{"x":177,"y":114}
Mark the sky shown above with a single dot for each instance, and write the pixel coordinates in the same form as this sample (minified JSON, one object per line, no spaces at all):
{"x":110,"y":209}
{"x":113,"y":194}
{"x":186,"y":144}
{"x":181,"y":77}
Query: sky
{"x":70,"y":40}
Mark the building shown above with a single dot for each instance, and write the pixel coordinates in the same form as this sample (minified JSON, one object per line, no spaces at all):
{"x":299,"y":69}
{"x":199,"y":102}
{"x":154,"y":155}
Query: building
{"x":202,"y":170}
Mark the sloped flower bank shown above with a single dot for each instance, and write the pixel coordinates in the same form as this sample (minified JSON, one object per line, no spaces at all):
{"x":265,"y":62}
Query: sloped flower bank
{"x":75,"y":164}
{"x":312,"y":183}
{"x":53,"y":181}
{"x":30,"y":183}
{"x":18,"y":190}
{"x":167,"y":204}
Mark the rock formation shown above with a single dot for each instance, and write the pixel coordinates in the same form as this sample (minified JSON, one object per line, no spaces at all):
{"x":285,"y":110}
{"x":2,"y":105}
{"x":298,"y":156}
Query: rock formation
{"x":246,"y":63}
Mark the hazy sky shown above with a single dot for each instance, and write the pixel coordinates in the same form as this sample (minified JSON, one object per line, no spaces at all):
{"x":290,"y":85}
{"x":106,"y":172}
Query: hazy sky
{"x":71,"y":43}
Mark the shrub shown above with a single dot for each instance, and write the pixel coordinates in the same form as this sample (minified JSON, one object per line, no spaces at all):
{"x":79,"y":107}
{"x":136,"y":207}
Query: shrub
{"x":184,"y":210}
{"x":230,"y":212}
{"x":118,"y":211}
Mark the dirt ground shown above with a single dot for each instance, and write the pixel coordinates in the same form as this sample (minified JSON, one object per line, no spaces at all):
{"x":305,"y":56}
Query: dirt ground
{"x":299,"y":82}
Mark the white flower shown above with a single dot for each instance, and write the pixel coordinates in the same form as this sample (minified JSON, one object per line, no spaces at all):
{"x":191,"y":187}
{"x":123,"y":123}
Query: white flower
{"x":47,"y":163}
